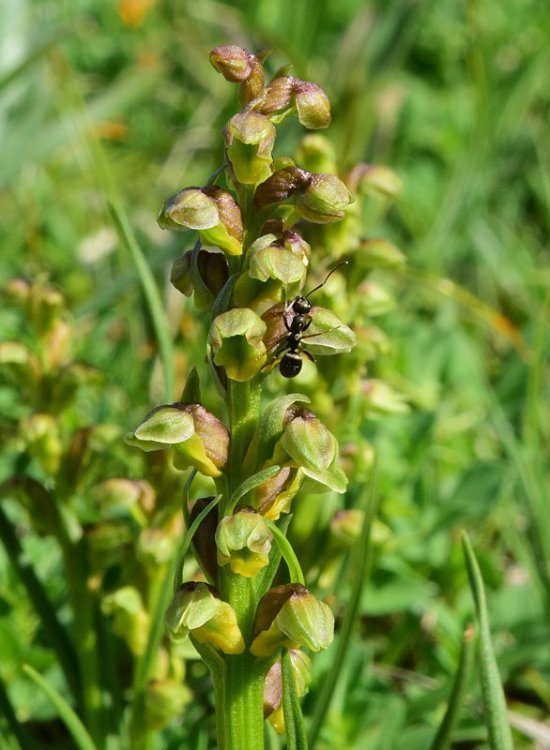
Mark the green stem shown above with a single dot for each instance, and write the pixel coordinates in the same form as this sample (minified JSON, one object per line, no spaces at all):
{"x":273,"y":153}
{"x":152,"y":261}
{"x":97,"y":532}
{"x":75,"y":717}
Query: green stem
{"x":244,"y":412}
{"x":242,"y":708}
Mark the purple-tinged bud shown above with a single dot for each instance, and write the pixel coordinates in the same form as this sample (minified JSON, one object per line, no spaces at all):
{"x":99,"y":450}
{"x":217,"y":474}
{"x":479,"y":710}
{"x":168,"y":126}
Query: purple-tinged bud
{"x":291,"y":616}
{"x":130,"y":619}
{"x":236,"y":341}
{"x":273,"y":689}
{"x":197,"y":611}
{"x":278,"y":95}
{"x":205,"y":279}
{"x":239,"y":66}
{"x":190,"y":208}
{"x":212,"y":211}
{"x":234,"y":63}
{"x":275,"y":495}
{"x":282,"y":185}
{"x":311,"y":102}
{"x":313,"y":105}
{"x":197,"y":436}
{"x":244,"y":542}
{"x":310,"y":447}
{"x":249,"y":139}
{"x":373,"y":179}
{"x":324,"y":200}
{"x":204,"y":540}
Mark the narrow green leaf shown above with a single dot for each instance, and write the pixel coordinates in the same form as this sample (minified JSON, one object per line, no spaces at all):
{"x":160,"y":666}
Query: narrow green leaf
{"x":294,"y":721}
{"x":294,"y":569}
{"x":496,"y":713}
{"x":250,"y":484}
{"x":262,"y":582}
{"x":361,"y":564}
{"x":76,"y":728}
{"x":442,"y":739}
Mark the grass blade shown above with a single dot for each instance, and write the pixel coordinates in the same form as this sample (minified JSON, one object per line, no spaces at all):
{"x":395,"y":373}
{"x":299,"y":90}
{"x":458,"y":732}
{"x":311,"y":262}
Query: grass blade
{"x":18,"y":730}
{"x":442,"y":739}
{"x":294,"y":721}
{"x":54,"y":631}
{"x":361,"y":565}
{"x":76,"y":728}
{"x":496,"y":712}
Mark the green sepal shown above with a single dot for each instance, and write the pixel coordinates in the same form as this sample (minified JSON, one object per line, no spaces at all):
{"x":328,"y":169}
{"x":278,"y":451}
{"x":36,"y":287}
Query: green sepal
{"x":236,"y":341}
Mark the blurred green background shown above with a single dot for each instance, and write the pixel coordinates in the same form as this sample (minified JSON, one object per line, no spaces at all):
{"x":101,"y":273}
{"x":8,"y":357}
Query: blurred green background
{"x":117,"y":100}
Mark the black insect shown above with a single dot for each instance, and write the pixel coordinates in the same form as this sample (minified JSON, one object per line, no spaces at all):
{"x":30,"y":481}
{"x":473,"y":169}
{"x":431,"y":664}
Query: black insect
{"x":297,"y":319}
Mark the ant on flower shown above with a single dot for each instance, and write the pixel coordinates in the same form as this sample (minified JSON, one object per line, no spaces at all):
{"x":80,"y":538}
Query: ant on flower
{"x":297,"y":319}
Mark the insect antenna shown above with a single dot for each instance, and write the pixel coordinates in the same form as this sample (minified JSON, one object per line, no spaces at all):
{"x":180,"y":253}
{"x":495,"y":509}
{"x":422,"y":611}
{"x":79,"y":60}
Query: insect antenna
{"x":327,"y":277}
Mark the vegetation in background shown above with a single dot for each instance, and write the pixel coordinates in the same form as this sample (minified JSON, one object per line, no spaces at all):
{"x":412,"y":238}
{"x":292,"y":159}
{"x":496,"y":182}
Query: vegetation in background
{"x":453,"y":96}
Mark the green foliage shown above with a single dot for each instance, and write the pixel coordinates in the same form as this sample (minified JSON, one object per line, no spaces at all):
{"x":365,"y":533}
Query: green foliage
{"x":454,"y":98}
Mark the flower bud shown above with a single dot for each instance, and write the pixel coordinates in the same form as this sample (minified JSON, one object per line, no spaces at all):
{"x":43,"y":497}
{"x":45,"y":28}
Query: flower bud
{"x":212,"y":211}
{"x":197,"y":436}
{"x":236,"y":341}
{"x":281,"y":185}
{"x":244,"y":542}
{"x":311,"y":102}
{"x":234,"y":63}
{"x":291,"y":616}
{"x":275,"y":495}
{"x":273,"y":689}
{"x":239,"y":66}
{"x":373,"y":179}
{"x":191,"y":208}
{"x":285,"y":263}
{"x":197,"y":611}
{"x":312,"y":449}
{"x":130,"y":619}
{"x":324,"y":200}
{"x":249,"y":139}
{"x":313,"y":105}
